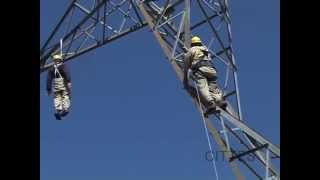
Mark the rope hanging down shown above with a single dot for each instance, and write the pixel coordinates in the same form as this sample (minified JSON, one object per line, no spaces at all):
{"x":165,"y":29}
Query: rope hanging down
{"x":207,"y":134}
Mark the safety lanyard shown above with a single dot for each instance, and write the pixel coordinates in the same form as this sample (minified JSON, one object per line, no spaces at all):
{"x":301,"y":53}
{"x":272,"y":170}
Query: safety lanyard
{"x":56,"y":70}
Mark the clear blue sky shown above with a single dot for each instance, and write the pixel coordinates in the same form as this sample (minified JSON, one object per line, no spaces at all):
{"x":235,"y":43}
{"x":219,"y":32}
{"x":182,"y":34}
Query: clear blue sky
{"x":130,"y":117}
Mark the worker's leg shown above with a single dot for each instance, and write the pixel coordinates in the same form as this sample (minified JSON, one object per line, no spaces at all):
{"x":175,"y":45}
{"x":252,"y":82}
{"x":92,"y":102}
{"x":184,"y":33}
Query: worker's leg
{"x":65,"y":102}
{"x":58,"y":101}
{"x":58,"y":104}
{"x":59,"y":88}
{"x":211,"y":76}
{"x":203,"y":88}
{"x":215,"y":92}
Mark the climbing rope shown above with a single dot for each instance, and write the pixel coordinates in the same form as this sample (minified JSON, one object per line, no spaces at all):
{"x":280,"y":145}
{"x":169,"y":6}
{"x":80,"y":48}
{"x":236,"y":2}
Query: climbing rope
{"x":207,"y":134}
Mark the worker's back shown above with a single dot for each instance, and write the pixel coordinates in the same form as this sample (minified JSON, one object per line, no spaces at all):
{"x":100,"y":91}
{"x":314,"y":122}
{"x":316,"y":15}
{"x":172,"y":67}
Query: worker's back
{"x":199,"y":53}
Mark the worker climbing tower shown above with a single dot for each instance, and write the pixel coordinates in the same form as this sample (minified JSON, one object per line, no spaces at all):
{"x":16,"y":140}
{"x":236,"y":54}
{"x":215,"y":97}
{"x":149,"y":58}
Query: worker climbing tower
{"x":89,"y":24}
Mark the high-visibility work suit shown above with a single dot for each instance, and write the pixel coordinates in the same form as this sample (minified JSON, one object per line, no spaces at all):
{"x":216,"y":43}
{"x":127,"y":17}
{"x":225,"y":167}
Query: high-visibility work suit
{"x":204,"y":74}
{"x":59,"y":79}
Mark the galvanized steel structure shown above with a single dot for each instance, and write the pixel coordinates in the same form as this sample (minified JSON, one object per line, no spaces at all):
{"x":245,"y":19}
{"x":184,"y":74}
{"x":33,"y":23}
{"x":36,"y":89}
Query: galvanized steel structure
{"x":89,"y":24}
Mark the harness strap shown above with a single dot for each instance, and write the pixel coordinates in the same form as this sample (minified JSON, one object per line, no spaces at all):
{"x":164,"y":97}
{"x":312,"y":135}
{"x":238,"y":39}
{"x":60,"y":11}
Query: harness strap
{"x":201,"y":63}
{"x":56,"y":71}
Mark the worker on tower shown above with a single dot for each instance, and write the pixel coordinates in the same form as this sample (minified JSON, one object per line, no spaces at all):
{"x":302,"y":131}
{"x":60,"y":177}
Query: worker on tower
{"x":198,"y":61}
{"x":59,"y":78}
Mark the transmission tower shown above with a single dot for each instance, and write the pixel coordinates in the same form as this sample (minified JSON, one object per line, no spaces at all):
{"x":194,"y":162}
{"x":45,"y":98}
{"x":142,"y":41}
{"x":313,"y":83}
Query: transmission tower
{"x":89,"y":24}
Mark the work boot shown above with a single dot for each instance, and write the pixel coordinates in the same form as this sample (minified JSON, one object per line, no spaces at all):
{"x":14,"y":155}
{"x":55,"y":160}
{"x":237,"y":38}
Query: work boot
{"x":222,"y":104}
{"x":212,"y":109}
{"x":58,"y":114}
{"x":64,"y":113}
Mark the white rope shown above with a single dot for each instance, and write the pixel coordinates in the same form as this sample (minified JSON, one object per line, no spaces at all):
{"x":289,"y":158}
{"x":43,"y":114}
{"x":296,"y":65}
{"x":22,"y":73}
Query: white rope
{"x":61,"y":47}
{"x":205,"y":126}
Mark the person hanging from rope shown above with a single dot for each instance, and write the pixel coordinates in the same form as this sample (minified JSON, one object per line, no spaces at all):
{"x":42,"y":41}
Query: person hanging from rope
{"x":198,"y":61}
{"x":59,"y":78}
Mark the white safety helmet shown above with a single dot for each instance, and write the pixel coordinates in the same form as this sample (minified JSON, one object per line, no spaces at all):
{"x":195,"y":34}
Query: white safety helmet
{"x":57,"y":57}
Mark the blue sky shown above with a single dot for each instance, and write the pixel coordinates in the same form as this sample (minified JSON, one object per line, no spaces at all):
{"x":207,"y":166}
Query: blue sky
{"x":130,"y":117}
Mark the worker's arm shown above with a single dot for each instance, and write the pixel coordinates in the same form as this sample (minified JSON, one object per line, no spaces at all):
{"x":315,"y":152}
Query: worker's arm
{"x":66,"y":73}
{"x":209,"y":54}
{"x":49,"y":81}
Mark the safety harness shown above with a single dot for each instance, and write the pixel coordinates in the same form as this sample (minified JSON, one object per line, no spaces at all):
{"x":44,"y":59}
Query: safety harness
{"x":56,"y":70}
{"x":199,"y":64}
{"x":203,"y":62}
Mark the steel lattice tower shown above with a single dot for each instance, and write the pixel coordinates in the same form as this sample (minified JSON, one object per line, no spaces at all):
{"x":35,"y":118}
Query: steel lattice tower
{"x":89,"y":24}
